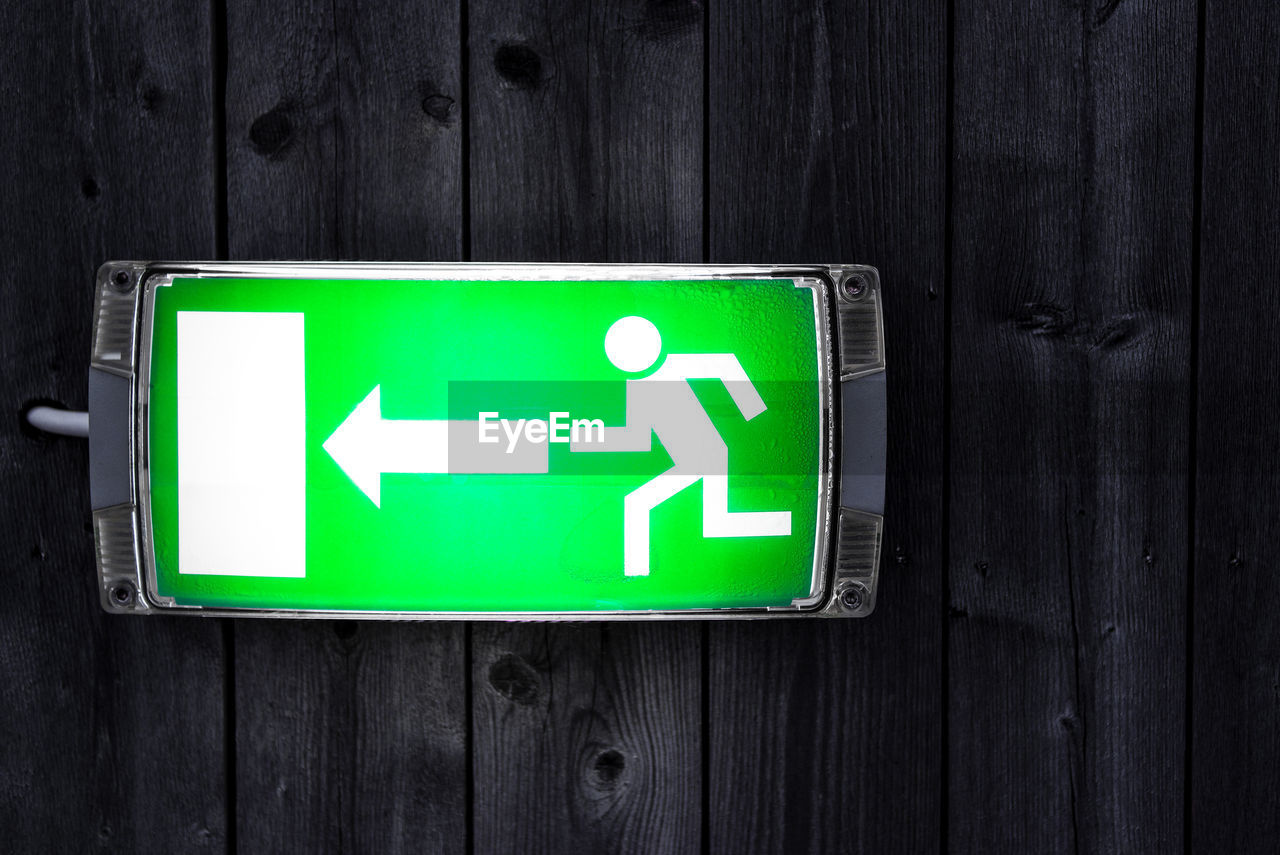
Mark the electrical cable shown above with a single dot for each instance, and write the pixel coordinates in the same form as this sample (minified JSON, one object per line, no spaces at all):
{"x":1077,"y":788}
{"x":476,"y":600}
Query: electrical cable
{"x":54,"y":420}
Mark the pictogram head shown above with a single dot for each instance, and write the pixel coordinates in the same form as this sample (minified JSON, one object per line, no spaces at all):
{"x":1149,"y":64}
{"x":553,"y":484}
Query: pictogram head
{"x":633,"y":343}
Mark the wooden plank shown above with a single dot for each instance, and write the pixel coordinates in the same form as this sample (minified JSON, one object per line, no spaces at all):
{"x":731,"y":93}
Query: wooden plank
{"x":828,"y":144}
{"x":344,"y":132}
{"x":344,"y":141}
{"x":587,"y":738}
{"x":1235,"y":741}
{"x":586,"y":146}
{"x":350,"y":736}
{"x":586,"y":131}
{"x":1072,"y":233}
{"x":113,"y":725}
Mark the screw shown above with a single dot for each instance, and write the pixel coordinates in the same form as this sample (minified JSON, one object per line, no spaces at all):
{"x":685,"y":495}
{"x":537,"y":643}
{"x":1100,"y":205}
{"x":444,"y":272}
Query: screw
{"x":853,"y":596}
{"x":853,"y":286}
{"x":122,"y":594}
{"x":122,"y":281}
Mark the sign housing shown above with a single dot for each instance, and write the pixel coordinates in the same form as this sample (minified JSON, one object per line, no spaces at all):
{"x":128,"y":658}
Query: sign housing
{"x":487,"y":441}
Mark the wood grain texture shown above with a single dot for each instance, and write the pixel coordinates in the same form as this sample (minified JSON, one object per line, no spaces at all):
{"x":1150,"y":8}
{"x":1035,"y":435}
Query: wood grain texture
{"x":113,"y":728}
{"x":344,"y":141}
{"x":828,"y":144}
{"x":350,"y":736}
{"x":1236,"y":714}
{"x":586,"y":131}
{"x":344,"y":131}
{"x":1072,"y":232}
{"x":586,"y":146}
{"x":587,"y":738}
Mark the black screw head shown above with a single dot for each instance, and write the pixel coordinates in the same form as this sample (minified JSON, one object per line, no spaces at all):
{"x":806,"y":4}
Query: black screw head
{"x":122,"y":281}
{"x":122,"y":594}
{"x":853,"y":597}
{"x":853,"y":286}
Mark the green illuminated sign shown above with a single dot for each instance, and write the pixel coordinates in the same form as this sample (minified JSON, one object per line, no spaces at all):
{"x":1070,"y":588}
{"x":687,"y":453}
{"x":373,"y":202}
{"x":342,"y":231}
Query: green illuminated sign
{"x":553,"y":446}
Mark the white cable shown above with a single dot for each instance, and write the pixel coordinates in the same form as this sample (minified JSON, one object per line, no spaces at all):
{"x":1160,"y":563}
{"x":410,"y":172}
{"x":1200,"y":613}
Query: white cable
{"x":53,"y":420}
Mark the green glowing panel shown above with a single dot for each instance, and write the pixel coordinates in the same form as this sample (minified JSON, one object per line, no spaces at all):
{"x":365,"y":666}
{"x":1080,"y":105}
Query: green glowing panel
{"x":411,"y":446}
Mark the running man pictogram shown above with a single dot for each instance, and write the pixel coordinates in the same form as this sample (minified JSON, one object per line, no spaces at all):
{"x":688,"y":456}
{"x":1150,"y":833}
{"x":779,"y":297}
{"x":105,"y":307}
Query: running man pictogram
{"x":664,"y":403}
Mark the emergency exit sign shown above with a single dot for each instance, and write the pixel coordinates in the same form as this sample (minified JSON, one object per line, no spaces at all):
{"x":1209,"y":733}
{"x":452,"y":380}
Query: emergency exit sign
{"x":403,"y":445}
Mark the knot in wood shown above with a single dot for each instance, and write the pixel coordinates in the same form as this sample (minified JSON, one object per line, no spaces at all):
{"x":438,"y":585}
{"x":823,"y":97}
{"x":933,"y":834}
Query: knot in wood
{"x":438,"y":106}
{"x":514,"y":679}
{"x":519,"y":65}
{"x":272,"y":132}
{"x":608,"y":768}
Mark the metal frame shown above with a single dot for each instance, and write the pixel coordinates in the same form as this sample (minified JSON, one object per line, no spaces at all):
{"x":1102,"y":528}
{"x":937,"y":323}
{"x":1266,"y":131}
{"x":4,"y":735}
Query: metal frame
{"x":124,"y":296}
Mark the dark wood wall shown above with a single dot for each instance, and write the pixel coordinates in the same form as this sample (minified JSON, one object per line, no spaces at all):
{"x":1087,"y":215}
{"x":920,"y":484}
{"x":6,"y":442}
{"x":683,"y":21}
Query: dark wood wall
{"x":1075,"y":209}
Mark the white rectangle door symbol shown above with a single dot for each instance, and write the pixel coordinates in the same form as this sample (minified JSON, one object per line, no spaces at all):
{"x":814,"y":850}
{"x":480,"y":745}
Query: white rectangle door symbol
{"x":242,"y":457}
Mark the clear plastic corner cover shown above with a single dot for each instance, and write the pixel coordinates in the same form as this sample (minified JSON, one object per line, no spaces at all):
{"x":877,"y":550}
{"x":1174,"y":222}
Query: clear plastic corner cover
{"x":261,"y":430}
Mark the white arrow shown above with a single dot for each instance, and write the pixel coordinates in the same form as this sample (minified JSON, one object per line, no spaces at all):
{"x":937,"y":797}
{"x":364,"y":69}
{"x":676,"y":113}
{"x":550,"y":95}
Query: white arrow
{"x":366,"y":445}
